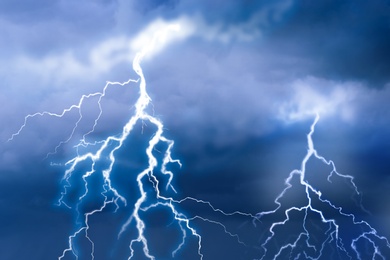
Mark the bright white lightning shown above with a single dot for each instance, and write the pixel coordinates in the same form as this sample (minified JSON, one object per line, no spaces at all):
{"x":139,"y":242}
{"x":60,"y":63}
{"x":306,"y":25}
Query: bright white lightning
{"x":112,"y":144}
{"x":333,"y":235}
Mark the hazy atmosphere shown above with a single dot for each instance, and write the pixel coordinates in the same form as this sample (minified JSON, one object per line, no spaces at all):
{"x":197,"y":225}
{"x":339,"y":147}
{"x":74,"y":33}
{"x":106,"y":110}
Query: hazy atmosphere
{"x":237,"y":88}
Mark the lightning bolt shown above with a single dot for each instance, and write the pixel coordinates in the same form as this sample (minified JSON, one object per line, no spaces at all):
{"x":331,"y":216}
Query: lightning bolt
{"x":100,"y":158}
{"x":304,"y":245}
{"x":109,"y":146}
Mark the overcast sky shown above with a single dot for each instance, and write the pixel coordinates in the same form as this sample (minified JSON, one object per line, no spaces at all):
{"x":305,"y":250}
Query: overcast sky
{"x":237,"y":88}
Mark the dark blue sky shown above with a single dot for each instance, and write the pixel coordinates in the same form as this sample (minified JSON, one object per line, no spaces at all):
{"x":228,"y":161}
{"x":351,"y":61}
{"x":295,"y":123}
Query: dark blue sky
{"x":237,"y":89}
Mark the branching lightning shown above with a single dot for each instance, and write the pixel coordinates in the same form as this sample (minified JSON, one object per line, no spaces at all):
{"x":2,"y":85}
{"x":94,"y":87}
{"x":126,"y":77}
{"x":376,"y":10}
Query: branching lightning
{"x":310,"y":249}
{"x":105,"y":149}
{"x":103,"y":152}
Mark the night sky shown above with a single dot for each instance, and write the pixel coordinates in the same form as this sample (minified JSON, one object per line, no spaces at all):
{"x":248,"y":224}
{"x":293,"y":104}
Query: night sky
{"x":237,"y":88}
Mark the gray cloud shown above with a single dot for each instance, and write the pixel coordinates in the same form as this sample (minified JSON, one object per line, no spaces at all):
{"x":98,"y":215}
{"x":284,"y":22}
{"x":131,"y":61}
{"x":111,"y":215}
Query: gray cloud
{"x":346,"y":40}
{"x":32,"y":27}
{"x":238,"y":93}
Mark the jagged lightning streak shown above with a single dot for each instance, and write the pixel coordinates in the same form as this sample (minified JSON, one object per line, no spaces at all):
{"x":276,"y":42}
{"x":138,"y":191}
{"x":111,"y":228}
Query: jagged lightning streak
{"x":117,"y":142}
{"x":105,"y":149}
{"x":368,"y":233}
{"x":110,"y":145}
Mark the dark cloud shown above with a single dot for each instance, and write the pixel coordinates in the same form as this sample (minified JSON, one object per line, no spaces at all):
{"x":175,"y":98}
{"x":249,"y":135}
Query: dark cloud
{"x":151,"y":5}
{"x":31,"y":27}
{"x":237,"y":96}
{"x":347,"y":40}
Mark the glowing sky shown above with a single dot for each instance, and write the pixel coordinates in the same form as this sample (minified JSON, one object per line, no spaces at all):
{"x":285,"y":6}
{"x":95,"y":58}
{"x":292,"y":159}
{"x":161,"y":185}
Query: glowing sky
{"x":236,"y":87}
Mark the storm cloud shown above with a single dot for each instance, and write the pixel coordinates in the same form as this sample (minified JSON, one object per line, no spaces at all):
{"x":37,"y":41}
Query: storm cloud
{"x":237,"y":88}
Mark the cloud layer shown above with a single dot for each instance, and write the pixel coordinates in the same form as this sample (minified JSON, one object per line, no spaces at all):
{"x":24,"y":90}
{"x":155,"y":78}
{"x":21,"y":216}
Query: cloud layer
{"x":236,"y":88}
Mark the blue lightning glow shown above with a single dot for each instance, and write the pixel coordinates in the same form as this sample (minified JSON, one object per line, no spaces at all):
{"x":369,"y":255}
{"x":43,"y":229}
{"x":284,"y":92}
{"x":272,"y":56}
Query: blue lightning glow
{"x":105,"y":149}
{"x":110,"y":145}
{"x":304,"y":238}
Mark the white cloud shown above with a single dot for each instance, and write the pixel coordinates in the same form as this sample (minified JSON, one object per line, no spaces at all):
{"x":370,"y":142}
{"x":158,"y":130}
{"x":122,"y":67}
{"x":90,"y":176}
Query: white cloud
{"x":327,"y":98}
{"x":160,"y":33}
{"x":105,"y":55}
